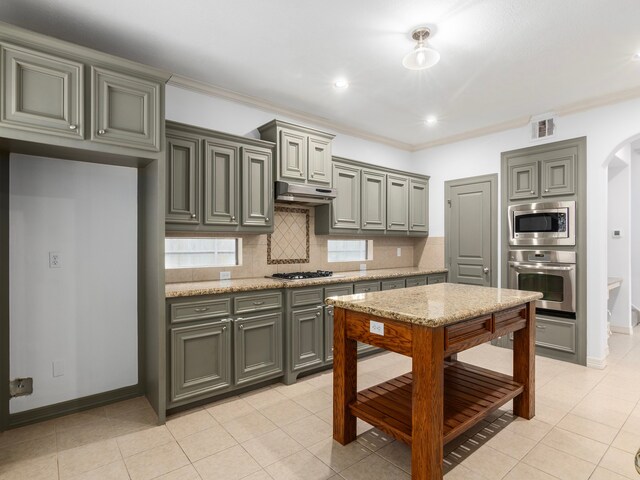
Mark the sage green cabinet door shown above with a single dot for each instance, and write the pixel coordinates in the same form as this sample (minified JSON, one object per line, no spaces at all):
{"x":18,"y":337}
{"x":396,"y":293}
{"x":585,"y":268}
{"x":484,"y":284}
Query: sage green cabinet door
{"x":319,"y":161}
{"x":392,"y":284}
{"x":220,"y":184}
{"x":41,"y":93}
{"x":558,"y":173}
{"x":346,"y":206}
{"x":328,"y":334}
{"x":200,"y":360}
{"x":436,"y":278}
{"x":183,"y":179}
{"x":306,"y":337}
{"x":293,"y":156}
{"x":257,"y":188}
{"x":257,"y":347}
{"x":125,"y":110}
{"x":397,"y":203}
{"x":416,"y":281}
{"x":374,"y":200}
{"x":418,"y":205}
{"x":523,"y":179}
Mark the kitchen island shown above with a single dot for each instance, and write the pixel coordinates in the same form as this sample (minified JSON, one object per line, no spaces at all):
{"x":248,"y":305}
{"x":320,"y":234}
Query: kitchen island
{"x":441,"y":397}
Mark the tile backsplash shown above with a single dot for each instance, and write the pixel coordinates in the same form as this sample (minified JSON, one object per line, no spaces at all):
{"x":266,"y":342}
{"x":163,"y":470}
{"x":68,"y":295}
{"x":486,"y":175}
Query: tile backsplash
{"x":420,"y":252}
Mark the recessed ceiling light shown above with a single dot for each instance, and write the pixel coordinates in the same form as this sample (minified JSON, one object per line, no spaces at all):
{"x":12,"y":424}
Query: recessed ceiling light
{"x":341,"y":84}
{"x":636,"y":57}
{"x":431,"y":120}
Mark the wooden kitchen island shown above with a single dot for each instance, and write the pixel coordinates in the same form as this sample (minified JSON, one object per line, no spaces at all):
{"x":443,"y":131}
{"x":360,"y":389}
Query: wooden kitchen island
{"x":441,"y":397}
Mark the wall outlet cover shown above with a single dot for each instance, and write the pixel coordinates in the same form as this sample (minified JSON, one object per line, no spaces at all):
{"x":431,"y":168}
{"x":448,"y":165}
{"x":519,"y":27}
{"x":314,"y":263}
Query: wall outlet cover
{"x":58,"y":368}
{"x":363,"y":267}
{"x":225,"y":275}
{"x":55,"y":260}
{"x":376,"y":328}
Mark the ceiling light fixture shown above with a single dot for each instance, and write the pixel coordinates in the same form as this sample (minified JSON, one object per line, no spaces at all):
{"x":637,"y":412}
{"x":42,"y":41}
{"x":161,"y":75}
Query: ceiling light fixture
{"x":341,"y":84}
{"x":421,"y":56}
{"x":431,"y":120}
{"x":636,"y":57}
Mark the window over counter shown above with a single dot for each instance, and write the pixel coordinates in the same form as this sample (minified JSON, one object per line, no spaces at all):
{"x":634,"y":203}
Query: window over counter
{"x":202,"y":252}
{"x":349,"y":250}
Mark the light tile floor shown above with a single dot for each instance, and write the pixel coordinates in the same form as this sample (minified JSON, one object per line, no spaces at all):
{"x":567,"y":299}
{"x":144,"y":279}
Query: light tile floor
{"x":587,"y":425}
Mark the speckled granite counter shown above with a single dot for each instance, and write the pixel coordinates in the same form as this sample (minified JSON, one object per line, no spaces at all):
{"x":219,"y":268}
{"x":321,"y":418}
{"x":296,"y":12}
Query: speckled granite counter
{"x":435,"y":305}
{"x":189,"y":289}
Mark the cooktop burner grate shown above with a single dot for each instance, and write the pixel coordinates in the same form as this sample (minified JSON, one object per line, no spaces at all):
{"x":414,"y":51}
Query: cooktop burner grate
{"x":303,"y":275}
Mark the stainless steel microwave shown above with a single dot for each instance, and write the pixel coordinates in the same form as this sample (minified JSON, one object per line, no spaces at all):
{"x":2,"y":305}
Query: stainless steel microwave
{"x":548,"y":223}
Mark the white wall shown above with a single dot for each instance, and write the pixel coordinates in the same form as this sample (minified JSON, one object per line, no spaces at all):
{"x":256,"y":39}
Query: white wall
{"x":206,"y":111}
{"x":635,"y":226}
{"x":83,"y":314}
{"x":606,"y":129}
{"x":619,"y":250}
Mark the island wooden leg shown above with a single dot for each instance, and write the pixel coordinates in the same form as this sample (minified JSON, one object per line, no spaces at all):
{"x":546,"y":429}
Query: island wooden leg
{"x":524,"y":365}
{"x":345,"y":377}
{"x":427,"y":403}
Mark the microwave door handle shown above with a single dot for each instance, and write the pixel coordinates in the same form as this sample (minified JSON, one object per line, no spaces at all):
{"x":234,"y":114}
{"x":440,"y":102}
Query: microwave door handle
{"x":544,"y":267}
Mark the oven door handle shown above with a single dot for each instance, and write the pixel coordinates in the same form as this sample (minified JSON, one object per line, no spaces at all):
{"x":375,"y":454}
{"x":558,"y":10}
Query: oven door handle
{"x":545,"y":267}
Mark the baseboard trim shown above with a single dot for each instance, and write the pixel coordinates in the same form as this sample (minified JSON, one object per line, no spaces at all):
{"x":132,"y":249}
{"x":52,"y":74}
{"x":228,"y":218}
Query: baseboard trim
{"x":598,"y":363}
{"x":73,"y":406}
{"x":624,"y":330}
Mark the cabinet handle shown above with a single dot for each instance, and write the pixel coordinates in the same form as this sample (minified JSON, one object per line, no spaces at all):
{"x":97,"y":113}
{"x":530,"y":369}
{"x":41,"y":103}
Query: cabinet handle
{"x":258,"y":303}
{"x":531,"y":192}
{"x":389,"y":226}
{"x":546,"y":189}
{"x":193,"y":215}
{"x":365,"y":223}
{"x":72,"y":127}
{"x":266,"y":219}
{"x":224,"y":328}
{"x":201,"y":309}
{"x":233,"y":218}
{"x":101,"y":131}
{"x":312,"y":175}
{"x":541,"y":327}
{"x":240,"y":326}
{"x":317,"y":314}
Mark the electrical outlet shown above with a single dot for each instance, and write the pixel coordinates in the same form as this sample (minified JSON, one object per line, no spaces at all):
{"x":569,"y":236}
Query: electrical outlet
{"x":376,"y":327}
{"x":363,"y":267}
{"x":225,"y":275}
{"x":54,"y":260}
{"x":58,"y":368}
{"x":398,"y":252}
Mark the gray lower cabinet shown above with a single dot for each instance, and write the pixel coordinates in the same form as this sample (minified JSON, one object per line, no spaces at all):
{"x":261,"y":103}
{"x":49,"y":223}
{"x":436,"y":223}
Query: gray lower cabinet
{"x":125,"y":110}
{"x":183,"y":179}
{"x":346,"y":206}
{"x":257,"y":347}
{"x":366,"y":287}
{"x":374,"y":200}
{"x":307,"y":337}
{"x":41,"y":92}
{"x":257,"y":202}
{"x":392,"y":284}
{"x":436,"y":278}
{"x":416,"y":281}
{"x":397,"y":203}
{"x":328,"y":333}
{"x":200,"y":360}
{"x":418,"y":205}
{"x":220,"y":184}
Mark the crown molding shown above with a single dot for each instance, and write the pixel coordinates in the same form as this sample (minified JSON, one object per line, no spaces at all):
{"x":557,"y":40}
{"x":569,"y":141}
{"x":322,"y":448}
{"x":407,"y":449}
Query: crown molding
{"x":267,"y":106}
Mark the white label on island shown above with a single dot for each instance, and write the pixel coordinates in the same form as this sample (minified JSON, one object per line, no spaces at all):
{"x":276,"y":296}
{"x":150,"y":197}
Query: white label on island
{"x":376,"y":327}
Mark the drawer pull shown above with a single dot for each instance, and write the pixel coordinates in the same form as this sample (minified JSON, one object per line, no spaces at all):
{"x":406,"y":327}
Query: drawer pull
{"x":366,"y":289}
{"x":541,"y":327}
{"x":258,"y":303}
{"x":201,"y":309}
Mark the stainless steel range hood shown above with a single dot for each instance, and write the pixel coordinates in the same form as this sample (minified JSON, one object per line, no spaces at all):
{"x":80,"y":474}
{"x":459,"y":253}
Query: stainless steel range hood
{"x":304,"y":194}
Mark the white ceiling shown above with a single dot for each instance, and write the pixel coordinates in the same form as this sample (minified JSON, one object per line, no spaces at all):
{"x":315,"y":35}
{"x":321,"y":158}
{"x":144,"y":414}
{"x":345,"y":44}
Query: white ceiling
{"x":502,"y":60}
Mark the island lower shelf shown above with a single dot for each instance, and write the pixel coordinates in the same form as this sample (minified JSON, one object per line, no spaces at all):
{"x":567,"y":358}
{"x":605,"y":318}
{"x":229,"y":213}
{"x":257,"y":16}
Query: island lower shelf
{"x":470,"y":394}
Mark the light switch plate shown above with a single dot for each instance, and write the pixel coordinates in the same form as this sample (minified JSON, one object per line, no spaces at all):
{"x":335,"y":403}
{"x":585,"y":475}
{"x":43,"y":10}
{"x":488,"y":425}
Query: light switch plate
{"x":225,"y":275}
{"x":58,"y":368}
{"x":399,"y":252}
{"x":376,"y":327}
{"x":616,"y":233}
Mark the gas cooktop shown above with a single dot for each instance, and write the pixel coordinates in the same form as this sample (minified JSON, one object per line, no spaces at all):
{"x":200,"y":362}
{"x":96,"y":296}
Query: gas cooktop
{"x":302,"y":275}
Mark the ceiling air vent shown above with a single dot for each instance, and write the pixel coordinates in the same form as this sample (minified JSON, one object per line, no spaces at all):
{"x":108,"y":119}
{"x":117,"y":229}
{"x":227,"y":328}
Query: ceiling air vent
{"x":543,"y":126}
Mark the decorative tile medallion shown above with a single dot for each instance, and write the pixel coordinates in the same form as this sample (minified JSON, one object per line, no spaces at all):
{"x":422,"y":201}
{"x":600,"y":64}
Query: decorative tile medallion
{"x":289,"y":242}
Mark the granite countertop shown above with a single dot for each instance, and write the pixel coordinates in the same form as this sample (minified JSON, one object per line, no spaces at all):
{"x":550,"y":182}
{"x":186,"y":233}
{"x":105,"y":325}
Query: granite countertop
{"x":434,"y":305}
{"x":189,"y":289}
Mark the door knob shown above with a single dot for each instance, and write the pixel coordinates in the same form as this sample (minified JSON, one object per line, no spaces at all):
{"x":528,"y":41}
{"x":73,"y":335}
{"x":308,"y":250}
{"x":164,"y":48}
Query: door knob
{"x":485,"y":269}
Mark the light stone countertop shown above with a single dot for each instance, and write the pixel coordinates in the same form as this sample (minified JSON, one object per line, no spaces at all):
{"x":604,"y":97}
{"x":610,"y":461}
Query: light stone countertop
{"x":434,"y":305}
{"x":189,"y":289}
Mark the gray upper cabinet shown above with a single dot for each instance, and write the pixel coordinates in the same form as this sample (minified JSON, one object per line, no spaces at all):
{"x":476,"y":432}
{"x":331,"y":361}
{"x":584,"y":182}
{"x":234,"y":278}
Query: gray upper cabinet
{"x":346,"y":206}
{"x":397,"y":203}
{"x":523,"y":179}
{"x":183,"y":179}
{"x":200,"y":360}
{"x":258,"y":347}
{"x":418,"y":205}
{"x":558,"y":173}
{"x":220,"y":184}
{"x":257,"y":201}
{"x":307,"y":337}
{"x":374,"y":200}
{"x":125,"y":110}
{"x":41,"y":92}
{"x":303,"y":155}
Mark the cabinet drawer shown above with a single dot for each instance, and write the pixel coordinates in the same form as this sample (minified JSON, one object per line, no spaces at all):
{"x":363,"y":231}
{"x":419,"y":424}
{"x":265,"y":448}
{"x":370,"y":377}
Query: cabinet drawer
{"x":196,"y":310}
{"x":513,"y":319}
{"x":256,"y":303}
{"x":392,"y":284}
{"x":440,"y":278}
{"x":557,"y":334}
{"x":311,"y":296}
{"x":366,"y":287}
{"x":463,"y":335}
{"x":416,"y":281}
{"x":338,"y":291}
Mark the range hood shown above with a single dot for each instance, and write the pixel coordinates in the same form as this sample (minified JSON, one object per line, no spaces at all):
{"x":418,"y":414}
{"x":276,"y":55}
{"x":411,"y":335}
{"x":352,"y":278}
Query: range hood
{"x":305,"y":194}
